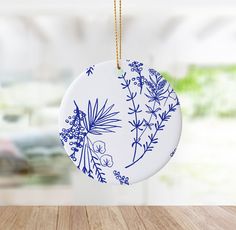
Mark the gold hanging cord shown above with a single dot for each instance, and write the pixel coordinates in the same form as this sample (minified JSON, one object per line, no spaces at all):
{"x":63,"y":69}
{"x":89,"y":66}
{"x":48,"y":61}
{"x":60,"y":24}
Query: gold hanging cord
{"x":117,"y":33}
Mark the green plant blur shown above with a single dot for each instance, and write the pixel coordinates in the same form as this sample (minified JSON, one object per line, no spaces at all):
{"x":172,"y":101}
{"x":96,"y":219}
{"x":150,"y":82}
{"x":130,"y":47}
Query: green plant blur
{"x":207,"y":91}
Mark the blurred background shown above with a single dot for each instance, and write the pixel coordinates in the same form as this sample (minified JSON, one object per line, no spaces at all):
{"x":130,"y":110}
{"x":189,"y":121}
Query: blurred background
{"x":45,"y":44}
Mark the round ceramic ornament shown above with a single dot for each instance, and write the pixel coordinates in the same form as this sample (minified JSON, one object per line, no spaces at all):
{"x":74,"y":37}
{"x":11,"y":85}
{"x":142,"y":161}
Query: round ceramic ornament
{"x":120,"y":126}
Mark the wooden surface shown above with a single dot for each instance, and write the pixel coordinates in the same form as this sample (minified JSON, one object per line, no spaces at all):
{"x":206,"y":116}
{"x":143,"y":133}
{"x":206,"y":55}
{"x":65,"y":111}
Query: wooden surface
{"x":116,"y":218}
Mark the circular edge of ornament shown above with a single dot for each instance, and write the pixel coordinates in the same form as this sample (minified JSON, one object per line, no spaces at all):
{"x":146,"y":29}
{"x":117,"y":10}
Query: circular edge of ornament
{"x":135,"y":82}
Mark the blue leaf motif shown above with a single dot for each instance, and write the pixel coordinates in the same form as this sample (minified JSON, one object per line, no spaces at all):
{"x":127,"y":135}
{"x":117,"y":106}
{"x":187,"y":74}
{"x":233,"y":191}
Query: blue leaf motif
{"x":102,"y":120}
{"x":122,"y":179}
{"x":106,"y":160}
{"x":99,"y":147}
{"x":89,"y":70}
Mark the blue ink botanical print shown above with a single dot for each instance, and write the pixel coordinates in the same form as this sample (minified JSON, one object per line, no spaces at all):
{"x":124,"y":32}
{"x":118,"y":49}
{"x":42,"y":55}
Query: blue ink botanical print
{"x":147,"y":122}
{"x":99,"y":147}
{"x":106,"y":160}
{"x":90,"y":155}
{"x":122,"y":179}
{"x":89,"y":70}
{"x":92,"y":132}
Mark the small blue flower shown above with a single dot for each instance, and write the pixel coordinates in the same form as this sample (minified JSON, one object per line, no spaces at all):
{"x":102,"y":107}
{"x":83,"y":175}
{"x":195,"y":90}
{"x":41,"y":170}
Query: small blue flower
{"x":99,"y":147}
{"x":106,"y":160}
{"x":136,"y":66}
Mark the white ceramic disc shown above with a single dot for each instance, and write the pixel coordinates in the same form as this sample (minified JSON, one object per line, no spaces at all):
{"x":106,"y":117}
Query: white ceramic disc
{"x":120,"y":127}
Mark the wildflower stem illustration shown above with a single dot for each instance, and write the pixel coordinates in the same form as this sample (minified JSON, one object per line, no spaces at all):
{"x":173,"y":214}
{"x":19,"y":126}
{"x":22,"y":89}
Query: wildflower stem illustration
{"x":149,"y":121}
{"x":133,"y":110}
{"x":155,"y":89}
{"x":148,"y":146}
{"x":90,"y":155}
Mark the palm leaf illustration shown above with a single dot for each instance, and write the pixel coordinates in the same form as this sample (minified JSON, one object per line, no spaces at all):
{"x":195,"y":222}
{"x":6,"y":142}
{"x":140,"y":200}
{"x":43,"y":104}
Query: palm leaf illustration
{"x":101,"y":120}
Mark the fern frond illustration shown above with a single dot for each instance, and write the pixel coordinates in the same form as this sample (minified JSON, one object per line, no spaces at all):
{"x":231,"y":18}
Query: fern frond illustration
{"x":101,"y":120}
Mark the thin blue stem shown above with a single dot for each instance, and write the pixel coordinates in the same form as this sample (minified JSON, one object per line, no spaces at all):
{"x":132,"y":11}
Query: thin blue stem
{"x":81,"y":155}
{"x":95,"y":164}
{"x":97,"y":171}
{"x":168,"y":94}
{"x":150,"y":119}
{"x":89,"y":171}
{"x":135,"y":117}
{"x":140,"y":82}
{"x":154,"y":135}
{"x":85,"y":158}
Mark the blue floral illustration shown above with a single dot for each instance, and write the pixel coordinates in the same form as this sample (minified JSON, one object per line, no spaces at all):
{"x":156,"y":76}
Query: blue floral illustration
{"x":157,"y":92}
{"x":133,"y":110}
{"x":89,"y":70}
{"x":122,"y":179}
{"x":81,"y":126}
{"x":139,"y":80}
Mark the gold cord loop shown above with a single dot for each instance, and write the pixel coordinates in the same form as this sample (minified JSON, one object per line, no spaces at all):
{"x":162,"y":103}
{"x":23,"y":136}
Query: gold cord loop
{"x":118,"y":33}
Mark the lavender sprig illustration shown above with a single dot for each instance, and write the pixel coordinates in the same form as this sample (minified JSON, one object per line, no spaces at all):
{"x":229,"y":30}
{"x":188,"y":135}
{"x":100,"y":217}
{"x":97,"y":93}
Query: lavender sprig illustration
{"x":137,"y":67}
{"x":89,"y":154}
{"x":158,"y":92}
{"x":122,"y":179}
